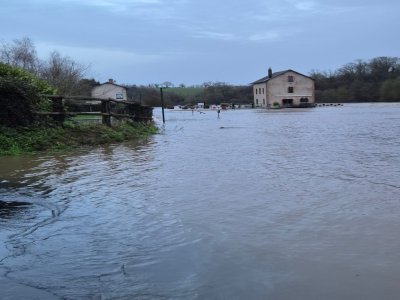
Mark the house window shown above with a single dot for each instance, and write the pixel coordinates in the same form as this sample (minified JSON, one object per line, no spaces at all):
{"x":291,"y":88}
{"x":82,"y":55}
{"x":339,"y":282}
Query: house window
{"x":290,"y":89}
{"x":263,"y":90}
{"x":287,"y":102}
{"x":259,"y":90}
{"x":256,"y":91}
{"x":290,"y":78}
{"x":303,"y":100}
{"x":257,"y":101}
{"x":264,"y":101}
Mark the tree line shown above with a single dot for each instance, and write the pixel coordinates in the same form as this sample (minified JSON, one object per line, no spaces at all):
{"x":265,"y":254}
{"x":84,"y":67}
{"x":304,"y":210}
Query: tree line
{"x":374,"y":80}
{"x":377,"y":79}
{"x":208,"y":93}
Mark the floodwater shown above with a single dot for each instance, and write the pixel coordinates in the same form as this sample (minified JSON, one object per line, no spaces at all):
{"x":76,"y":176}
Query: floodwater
{"x":278,"y":204}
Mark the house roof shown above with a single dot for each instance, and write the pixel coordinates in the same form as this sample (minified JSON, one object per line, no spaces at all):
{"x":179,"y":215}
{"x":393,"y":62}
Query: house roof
{"x":107,"y":82}
{"x":276,"y":74}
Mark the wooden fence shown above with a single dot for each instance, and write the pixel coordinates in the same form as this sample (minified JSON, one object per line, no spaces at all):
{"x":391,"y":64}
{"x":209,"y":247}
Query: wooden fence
{"x":63,"y":107}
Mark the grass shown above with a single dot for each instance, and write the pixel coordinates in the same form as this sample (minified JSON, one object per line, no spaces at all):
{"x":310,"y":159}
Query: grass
{"x":85,"y":117}
{"x":17,"y":141}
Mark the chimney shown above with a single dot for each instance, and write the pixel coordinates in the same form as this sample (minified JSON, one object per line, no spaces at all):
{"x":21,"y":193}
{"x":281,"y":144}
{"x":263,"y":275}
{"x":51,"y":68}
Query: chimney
{"x":111,"y":80}
{"x":269,"y":72}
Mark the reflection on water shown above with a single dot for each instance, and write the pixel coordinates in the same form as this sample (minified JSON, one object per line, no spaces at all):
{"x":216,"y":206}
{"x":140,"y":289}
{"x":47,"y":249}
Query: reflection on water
{"x":283,"y":204}
{"x":9,"y":208}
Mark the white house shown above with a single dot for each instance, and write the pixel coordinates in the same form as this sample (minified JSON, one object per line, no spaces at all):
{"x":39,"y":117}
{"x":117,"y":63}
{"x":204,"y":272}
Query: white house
{"x":109,"y":90}
{"x":200,"y":105}
{"x":284,"y":89}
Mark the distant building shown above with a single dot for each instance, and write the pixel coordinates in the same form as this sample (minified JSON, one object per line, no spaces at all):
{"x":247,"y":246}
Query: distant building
{"x":200,"y":105}
{"x":284,"y":89}
{"x":110,"y":90}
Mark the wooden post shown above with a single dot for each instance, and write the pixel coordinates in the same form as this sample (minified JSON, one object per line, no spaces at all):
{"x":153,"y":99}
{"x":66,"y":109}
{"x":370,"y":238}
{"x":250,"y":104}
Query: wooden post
{"x":162,"y":105}
{"x":132,"y":109}
{"x":105,"y":111}
{"x":58,"y":107}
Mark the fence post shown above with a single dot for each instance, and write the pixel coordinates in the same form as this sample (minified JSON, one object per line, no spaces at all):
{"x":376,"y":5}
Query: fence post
{"x":58,"y":107}
{"x":130,"y":108}
{"x":105,"y":112}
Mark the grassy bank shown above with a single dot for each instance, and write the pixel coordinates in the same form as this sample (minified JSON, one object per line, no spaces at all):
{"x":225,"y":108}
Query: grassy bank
{"x":29,"y":140}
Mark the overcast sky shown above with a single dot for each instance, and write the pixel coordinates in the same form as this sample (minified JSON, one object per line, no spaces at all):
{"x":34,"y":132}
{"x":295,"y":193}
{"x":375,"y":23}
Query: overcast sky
{"x":191,"y":42}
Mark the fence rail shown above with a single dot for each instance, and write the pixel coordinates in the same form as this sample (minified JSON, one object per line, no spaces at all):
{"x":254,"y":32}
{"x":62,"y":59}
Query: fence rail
{"x":108,"y":108}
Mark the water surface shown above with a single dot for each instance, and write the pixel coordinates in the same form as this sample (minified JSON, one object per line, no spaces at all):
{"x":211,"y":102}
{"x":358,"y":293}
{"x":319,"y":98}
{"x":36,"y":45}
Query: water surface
{"x":278,"y":204}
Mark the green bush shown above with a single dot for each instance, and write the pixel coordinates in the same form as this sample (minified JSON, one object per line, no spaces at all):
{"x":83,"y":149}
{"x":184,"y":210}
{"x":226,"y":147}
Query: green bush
{"x":20,"y":96}
{"x":16,"y":141}
{"x":390,"y":90}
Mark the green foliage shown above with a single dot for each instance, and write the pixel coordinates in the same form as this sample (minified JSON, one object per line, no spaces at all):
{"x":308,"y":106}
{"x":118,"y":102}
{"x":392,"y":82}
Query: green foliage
{"x":20,"y":96}
{"x":276,"y":105}
{"x":390,"y":90}
{"x":42,"y":87}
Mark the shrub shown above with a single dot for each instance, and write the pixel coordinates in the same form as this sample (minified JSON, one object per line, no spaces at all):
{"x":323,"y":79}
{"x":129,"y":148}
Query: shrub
{"x":20,"y":96}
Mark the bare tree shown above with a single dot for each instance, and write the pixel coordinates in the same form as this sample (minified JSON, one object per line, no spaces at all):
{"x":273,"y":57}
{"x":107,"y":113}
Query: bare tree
{"x":62,"y":73}
{"x":20,"y":53}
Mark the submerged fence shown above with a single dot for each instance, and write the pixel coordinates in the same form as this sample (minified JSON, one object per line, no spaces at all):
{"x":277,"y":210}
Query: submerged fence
{"x":107,"y":109}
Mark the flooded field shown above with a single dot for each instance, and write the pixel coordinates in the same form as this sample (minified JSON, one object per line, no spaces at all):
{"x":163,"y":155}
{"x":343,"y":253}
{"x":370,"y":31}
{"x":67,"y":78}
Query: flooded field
{"x":278,"y":204}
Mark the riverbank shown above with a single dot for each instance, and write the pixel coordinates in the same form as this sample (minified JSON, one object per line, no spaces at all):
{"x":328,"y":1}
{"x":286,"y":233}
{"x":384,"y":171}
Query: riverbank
{"x":17,"y":141}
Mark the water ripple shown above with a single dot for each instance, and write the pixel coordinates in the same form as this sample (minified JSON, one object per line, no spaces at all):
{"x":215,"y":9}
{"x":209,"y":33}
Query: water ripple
{"x":256,"y":204}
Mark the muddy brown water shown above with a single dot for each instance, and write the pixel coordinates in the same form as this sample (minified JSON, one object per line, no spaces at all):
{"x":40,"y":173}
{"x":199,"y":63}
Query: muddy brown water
{"x":282,"y":204}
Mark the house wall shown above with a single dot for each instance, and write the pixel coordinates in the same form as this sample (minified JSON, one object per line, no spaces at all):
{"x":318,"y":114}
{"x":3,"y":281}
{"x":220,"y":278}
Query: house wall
{"x":109,"y":90}
{"x":260,"y":95}
{"x":303,"y":87}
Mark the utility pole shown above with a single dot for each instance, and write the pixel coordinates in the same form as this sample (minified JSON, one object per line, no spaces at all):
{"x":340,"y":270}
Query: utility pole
{"x":162,"y":105}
